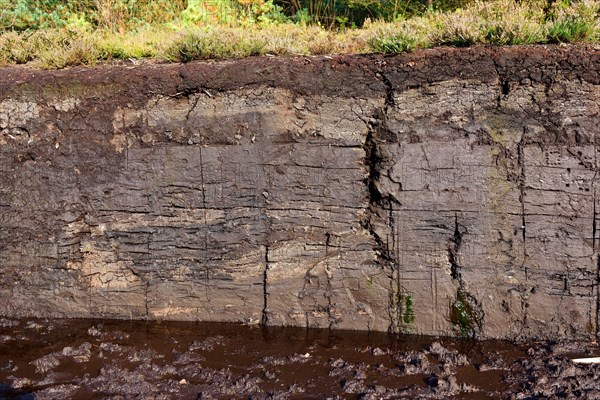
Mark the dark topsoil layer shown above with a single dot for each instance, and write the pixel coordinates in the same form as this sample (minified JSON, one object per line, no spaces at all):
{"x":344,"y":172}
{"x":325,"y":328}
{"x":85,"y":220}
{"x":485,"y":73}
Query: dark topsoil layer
{"x":83,"y":359}
{"x":343,"y":76}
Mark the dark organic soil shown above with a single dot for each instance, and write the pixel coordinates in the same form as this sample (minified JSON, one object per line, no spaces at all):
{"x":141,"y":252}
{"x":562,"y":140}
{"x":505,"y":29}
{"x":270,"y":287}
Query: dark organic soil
{"x":54,"y":359}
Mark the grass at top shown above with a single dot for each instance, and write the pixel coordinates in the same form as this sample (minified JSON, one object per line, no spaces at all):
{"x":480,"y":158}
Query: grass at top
{"x":496,"y":22}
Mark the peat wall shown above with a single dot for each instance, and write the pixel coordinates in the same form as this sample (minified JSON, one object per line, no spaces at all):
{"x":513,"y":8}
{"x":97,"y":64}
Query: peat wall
{"x":447,"y":191}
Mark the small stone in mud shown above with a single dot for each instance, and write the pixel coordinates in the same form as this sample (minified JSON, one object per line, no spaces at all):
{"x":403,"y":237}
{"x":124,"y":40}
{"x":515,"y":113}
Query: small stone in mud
{"x":5,"y":338}
{"x":447,"y":356}
{"x":45,"y":364}
{"x":299,"y":358}
{"x":102,"y":332}
{"x":447,"y":385}
{"x":188,"y":358}
{"x":378,"y":352}
{"x":57,"y":392}
{"x":270,"y":375}
{"x":337,"y":363}
{"x":8,"y":323}
{"x":295,"y":388}
{"x":9,"y":365}
{"x":33,"y":325}
{"x":112,"y":348}
{"x":412,"y":363}
{"x":352,"y":386}
{"x":19,"y":383}
{"x":360,"y":374}
{"x":143,"y":355}
{"x":272,"y":360}
{"x":81,"y":354}
{"x":93,"y":331}
{"x":207,"y":344}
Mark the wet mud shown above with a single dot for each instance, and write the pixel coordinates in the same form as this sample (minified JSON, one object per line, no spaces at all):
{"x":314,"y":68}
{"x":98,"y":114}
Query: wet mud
{"x":93,"y":359}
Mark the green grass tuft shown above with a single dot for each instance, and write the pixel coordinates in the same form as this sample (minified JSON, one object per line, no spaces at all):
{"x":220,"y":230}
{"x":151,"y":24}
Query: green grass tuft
{"x":398,"y":43}
{"x":569,"y":31}
{"x":215,"y":43}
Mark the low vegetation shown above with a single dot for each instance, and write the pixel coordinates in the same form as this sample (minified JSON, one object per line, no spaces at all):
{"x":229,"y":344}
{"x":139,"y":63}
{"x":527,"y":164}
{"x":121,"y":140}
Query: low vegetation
{"x":56,"y":34}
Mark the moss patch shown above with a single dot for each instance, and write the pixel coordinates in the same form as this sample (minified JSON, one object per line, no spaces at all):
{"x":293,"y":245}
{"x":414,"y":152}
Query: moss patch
{"x":466,"y":315}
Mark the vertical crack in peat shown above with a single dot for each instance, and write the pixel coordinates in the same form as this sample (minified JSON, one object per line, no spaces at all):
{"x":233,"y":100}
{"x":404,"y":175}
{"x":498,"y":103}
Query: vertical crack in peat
{"x":202,"y":186}
{"x":594,"y":219}
{"x":329,"y":288}
{"x":372,"y":161}
{"x":396,"y":309}
{"x":453,"y":249}
{"x":387,"y":257}
{"x":146,"y":291}
{"x":594,"y":232}
{"x":598,"y":296}
{"x":263,"y":186}
{"x":265,"y":310}
{"x":389,"y":91}
{"x":376,"y":202}
{"x":521,"y":166}
{"x":524,"y":293}
{"x":466,"y":313}
{"x":203,"y":193}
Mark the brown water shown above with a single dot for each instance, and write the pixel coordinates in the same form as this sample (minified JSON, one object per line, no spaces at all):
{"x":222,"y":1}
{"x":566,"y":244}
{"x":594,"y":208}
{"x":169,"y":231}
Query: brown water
{"x":83,"y":359}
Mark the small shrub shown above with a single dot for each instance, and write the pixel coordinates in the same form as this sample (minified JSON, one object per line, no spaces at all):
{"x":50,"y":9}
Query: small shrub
{"x":460,"y":29}
{"x":569,"y":30}
{"x":574,"y":21}
{"x":62,"y":48}
{"x":398,"y":43}
{"x":402,"y":36}
{"x":507,"y":22}
{"x":322,"y":42}
{"x":13,"y":49}
{"x":507,"y":34}
{"x":215,"y":43}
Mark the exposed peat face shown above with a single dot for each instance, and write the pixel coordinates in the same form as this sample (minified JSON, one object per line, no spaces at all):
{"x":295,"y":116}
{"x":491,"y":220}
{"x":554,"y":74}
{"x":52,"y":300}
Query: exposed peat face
{"x":442,"y":192}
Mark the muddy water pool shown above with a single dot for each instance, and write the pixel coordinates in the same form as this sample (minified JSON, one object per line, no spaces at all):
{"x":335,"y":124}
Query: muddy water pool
{"x":92,"y":359}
